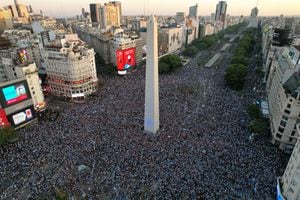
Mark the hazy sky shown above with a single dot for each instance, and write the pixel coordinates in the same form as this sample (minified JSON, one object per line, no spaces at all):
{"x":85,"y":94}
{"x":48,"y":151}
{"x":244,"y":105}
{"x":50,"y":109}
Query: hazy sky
{"x":164,"y":7}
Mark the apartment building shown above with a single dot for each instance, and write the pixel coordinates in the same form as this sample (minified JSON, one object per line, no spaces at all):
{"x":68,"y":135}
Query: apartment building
{"x":284,"y":97}
{"x":71,"y":68}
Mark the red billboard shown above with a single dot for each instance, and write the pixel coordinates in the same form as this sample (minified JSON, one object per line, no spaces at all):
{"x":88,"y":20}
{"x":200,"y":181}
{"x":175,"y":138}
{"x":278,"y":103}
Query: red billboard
{"x":3,"y":118}
{"x":125,"y":59}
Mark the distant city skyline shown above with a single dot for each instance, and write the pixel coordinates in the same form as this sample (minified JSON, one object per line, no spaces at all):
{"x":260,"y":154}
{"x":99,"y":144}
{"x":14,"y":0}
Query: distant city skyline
{"x":68,"y":8}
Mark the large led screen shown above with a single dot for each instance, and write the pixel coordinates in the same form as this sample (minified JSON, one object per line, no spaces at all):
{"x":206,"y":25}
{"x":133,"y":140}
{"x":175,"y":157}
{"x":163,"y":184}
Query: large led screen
{"x":125,"y":59}
{"x":22,"y":116}
{"x":15,"y":93}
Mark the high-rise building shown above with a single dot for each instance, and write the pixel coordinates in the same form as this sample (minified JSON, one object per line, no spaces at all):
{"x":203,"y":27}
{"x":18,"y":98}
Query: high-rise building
{"x":5,"y":19}
{"x":193,"y":11}
{"x":253,"y":18}
{"x":284,"y":96}
{"x":212,"y":17}
{"x":76,"y":76}
{"x":95,"y":12}
{"x":291,"y":177}
{"x":119,"y":5}
{"x":13,"y":10}
{"x":221,"y":10}
{"x":180,"y":17}
{"x":110,"y":15}
{"x":22,"y":11}
{"x":83,"y":12}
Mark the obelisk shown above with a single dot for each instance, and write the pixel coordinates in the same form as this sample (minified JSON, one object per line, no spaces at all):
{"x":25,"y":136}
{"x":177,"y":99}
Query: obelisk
{"x":151,"y":123}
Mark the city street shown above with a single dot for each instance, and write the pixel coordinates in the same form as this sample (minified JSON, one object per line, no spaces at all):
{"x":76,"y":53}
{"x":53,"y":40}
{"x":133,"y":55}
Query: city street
{"x":99,"y":150}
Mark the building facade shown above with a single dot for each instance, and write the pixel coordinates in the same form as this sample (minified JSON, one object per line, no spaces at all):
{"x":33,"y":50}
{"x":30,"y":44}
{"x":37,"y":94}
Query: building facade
{"x":180,"y":17}
{"x":5,"y":20}
{"x":95,"y":12}
{"x":71,"y":69}
{"x":253,"y":23}
{"x":221,"y":10}
{"x":290,"y":180}
{"x":284,"y":97}
{"x":193,"y":11}
{"x":169,"y":40}
{"x":110,"y":15}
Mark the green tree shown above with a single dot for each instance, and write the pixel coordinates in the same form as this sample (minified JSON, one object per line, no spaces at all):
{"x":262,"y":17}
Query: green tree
{"x":7,"y":134}
{"x":169,"y":63}
{"x":163,"y":67}
{"x":253,"y":111}
{"x":259,"y":126}
{"x":190,"y":51}
{"x":238,"y":59}
{"x":235,"y":75}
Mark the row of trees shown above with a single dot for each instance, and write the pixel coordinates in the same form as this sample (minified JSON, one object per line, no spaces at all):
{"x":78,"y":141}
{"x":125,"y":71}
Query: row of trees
{"x":210,"y":40}
{"x":237,"y":71}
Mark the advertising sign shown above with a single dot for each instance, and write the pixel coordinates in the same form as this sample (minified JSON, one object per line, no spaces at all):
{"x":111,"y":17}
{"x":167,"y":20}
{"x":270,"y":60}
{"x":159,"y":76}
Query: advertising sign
{"x":125,"y":59}
{"x":23,"y":56}
{"x":15,"y":93}
{"x":23,"y":116}
{"x":3,"y":118}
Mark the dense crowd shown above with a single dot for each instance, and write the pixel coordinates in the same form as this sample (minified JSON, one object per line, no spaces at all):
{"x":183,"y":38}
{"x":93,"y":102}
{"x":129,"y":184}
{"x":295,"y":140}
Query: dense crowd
{"x":99,"y":150}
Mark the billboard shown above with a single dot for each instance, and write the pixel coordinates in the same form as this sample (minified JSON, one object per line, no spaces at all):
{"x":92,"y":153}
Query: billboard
{"x":14,"y":93}
{"x":125,"y":59}
{"x":22,"y":116}
{"x":3,"y":118}
{"x":23,"y":57}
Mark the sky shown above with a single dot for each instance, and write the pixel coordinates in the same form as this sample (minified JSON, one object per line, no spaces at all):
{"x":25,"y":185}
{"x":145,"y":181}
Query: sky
{"x":67,"y":8}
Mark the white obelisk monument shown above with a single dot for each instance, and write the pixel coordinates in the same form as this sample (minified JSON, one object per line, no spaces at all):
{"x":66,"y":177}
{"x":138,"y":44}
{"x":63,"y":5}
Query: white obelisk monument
{"x":151,"y":123}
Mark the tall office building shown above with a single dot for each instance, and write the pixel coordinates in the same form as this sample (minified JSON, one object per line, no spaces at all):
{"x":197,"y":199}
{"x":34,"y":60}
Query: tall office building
{"x":221,"y":10}
{"x":193,"y":11}
{"x":110,"y":15}
{"x":5,"y":19}
{"x":253,"y":18}
{"x":13,"y":10}
{"x":119,"y":5}
{"x":95,"y":12}
{"x":180,"y":17}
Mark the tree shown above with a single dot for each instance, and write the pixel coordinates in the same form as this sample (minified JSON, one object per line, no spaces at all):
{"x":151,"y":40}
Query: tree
{"x":163,"y":67}
{"x":239,"y":59}
{"x":235,"y":75}
{"x":169,"y":63}
{"x":190,"y":51}
{"x":7,"y":134}
{"x":253,"y":111}
{"x":259,"y":126}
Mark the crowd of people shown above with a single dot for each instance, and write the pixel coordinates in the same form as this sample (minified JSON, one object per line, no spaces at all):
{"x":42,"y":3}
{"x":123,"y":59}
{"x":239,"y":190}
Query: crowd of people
{"x":98,"y":150}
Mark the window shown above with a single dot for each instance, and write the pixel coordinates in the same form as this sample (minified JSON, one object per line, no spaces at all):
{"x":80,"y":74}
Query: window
{"x":288,"y":106}
{"x":293,"y":133}
{"x":283,"y":123}
{"x":278,"y":135}
{"x":287,"y":111}
{"x":280,"y":129}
